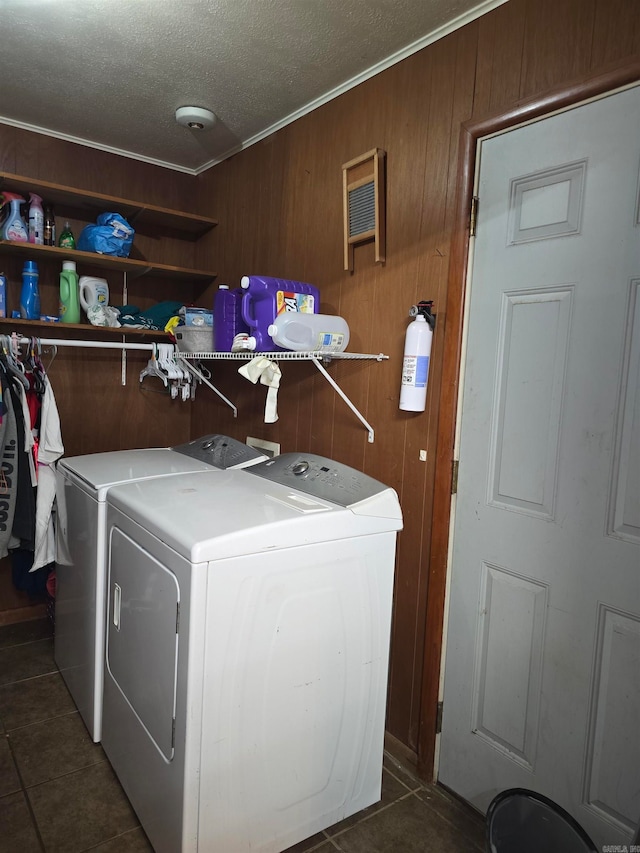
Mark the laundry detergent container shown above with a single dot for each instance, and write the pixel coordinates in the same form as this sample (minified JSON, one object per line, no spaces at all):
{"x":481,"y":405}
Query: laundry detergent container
{"x":265,"y":298}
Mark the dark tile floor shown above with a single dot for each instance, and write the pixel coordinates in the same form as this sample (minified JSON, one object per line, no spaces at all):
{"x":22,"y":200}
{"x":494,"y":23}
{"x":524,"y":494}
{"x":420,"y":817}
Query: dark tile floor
{"x":59,"y":794}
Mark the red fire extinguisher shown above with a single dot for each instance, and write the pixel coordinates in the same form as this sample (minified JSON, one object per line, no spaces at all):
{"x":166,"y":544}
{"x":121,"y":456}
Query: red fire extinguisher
{"x":417,"y":352}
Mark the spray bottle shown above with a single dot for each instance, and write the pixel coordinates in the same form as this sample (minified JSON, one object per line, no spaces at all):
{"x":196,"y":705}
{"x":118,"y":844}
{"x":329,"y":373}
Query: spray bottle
{"x":415,"y":365}
{"x":36,"y":220}
{"x":13,"y":226}
{"x":69,"y":294}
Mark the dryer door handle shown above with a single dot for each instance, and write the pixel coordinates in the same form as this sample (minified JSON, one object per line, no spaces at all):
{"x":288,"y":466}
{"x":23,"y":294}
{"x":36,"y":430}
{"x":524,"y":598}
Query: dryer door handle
{"x":117,"y":603}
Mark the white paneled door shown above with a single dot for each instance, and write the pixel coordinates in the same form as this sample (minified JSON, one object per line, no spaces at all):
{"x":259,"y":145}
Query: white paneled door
{"x":542,"y":668}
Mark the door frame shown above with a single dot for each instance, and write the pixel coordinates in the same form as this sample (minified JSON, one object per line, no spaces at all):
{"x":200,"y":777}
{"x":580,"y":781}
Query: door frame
{"x":470,"y":134}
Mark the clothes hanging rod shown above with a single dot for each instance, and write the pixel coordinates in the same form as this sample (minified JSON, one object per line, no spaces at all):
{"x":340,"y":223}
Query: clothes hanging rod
{"x":61,"y":342}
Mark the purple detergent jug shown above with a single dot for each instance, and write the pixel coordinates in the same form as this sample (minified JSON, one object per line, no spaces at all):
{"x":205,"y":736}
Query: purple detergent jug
{"x":227,"y":317}
{"x":264,"y":298}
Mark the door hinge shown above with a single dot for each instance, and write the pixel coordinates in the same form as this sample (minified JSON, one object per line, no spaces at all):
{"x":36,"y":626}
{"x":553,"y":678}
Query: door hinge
{"x":473,"y":216}
{"x":439,"y":717}
{"x":455,"y":464}
{"x":178,"y":618}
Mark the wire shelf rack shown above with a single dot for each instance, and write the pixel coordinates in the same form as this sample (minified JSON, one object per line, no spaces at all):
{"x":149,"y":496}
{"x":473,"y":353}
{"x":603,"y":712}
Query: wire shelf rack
{"x":282,"y":356}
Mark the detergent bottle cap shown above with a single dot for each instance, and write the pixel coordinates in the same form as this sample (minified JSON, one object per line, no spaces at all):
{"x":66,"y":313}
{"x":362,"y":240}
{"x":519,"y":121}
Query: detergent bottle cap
{"x":69,"y":265}
{"x":30,"y":266}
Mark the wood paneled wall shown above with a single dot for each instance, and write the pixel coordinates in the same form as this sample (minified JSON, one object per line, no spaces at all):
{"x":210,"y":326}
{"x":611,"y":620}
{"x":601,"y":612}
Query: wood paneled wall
{"x":97,"y":413}
{"x":280,"y":210}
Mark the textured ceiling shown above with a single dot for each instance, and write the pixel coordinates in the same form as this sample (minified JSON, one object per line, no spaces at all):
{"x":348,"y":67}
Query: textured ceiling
{"x":111,"y":73}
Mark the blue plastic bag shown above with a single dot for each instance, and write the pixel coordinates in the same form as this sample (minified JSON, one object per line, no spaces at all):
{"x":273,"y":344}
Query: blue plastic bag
{"x":111,"y":236}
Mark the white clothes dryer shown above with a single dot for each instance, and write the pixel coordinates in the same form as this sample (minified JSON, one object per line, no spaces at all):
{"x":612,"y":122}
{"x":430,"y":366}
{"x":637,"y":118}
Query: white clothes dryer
{"x":81,"y":489}
{"x":247,"y":651}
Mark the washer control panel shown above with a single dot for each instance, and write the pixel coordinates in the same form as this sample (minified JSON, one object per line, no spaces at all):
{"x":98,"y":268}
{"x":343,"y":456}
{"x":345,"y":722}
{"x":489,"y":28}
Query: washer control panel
{"x":219,"y":451}
{"x":323,"y":478}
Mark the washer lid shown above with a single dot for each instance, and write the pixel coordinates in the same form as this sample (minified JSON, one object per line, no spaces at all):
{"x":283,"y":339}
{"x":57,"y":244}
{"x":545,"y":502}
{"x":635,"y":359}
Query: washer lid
{"x":211,"y":516}
{"x":97,"y":472}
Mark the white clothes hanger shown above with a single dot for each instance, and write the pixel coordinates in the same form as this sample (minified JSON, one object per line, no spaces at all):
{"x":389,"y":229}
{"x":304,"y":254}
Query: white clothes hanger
{"x":153,"y":368}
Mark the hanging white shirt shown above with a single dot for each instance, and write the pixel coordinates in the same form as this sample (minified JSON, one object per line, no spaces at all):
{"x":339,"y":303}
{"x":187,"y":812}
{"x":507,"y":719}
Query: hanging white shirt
{"x":50,"y":449}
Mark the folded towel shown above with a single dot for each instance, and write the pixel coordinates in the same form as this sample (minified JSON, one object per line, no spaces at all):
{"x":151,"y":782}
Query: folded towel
{"x":268,"y":372}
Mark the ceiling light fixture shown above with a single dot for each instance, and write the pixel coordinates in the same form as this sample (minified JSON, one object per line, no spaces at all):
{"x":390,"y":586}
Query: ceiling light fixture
{"x":196,"y":118}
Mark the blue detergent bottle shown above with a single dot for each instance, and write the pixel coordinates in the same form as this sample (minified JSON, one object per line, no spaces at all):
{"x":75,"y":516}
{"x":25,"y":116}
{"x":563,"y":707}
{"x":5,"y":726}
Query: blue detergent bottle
{"x":13,"y":225}
{"x":30,"y":294}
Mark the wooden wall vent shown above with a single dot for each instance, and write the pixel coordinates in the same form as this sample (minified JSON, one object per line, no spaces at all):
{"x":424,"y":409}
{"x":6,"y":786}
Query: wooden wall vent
{"x":363,"y":200}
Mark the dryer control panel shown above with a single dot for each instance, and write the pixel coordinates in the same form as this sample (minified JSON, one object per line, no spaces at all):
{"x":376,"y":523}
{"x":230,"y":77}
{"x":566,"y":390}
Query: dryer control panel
{"x":323,"y":478}
{"x":220,"y":451}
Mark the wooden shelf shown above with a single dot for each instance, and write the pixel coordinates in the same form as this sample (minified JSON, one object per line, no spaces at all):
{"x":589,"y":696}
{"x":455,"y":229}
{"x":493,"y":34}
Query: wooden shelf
{"x":133,"y":267}
{"x":80,"y":204}
{"x":28,"y":329}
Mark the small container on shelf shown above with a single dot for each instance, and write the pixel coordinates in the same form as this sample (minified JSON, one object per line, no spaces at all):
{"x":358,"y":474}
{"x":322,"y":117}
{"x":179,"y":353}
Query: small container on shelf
{"x":49,"y":226}
{"x":194,"y":338}
{"x":30,"y":293}
{"x":69,"y":295}
{"x":67,"y":240}
{"x":3,"y":295}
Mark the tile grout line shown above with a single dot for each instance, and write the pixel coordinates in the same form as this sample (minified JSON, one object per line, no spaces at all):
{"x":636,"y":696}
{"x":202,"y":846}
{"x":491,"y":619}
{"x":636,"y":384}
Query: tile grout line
{"x":444,"y":818}
{"x":30,"y":678}
{"x":404,"y":784}
{"x":104,"y":760}
{"x":373,"y":814}
{"x":23,"y":791}
{"x":44,"y":720}
{"x":115,"y":838}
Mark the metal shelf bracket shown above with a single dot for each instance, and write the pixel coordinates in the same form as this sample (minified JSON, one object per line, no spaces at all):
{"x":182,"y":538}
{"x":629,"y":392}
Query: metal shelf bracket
{"x":339,"y":391}
{"x":316,"y":357}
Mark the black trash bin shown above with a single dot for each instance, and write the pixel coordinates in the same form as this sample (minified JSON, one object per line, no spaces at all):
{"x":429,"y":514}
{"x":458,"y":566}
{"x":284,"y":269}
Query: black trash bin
{"x":522,"y":821}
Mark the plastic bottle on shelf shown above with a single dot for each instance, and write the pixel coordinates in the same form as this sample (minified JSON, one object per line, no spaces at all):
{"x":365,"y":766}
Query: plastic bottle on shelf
{"x":227,"y":317}
{"x":36,"y":220}
{"x":265,"y":297}
{"x":67,"y":240}
{"x":13,"y":225}
{"x":49,"y":226}
{"x":3,"y":295}
{"x":30,"y":293}
{"x":69,"y":293}
{"x":301,"y":332}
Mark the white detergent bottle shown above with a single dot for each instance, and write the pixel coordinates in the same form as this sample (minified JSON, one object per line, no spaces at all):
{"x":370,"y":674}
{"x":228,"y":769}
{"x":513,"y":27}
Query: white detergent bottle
{"x":301,"y":332}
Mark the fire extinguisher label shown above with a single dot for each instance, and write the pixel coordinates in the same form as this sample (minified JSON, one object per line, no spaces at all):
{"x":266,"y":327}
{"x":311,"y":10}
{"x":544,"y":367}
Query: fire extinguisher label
{"x":415,"y":370}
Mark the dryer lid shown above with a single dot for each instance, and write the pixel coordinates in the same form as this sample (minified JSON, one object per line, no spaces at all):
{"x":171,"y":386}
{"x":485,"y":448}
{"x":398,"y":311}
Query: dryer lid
{"x":210,"y":516}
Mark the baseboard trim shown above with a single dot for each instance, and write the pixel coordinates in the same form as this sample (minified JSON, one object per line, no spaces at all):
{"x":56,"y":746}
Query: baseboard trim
{"x":402,"y":753}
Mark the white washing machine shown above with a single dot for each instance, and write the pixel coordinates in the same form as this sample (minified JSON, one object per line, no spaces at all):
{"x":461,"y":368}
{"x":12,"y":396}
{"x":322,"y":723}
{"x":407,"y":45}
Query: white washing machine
{"x":81,"y":489}
{"x":247,"y":651}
